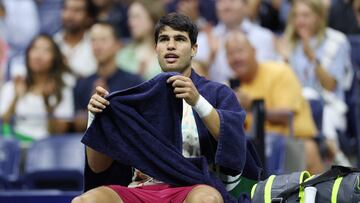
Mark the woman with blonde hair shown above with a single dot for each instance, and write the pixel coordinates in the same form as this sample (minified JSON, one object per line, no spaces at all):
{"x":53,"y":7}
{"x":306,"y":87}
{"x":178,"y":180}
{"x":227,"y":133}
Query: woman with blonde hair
{"x":320,"y":57}
{"x":139,"y":56}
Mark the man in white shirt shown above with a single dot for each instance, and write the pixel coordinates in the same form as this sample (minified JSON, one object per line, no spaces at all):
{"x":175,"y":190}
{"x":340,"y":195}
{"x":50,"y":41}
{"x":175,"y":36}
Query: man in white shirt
{"x":73,"y":39}
{"x":211,"y":53}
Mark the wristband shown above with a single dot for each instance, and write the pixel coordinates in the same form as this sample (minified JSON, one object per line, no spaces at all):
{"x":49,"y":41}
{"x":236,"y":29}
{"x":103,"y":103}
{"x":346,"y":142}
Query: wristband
{"x":203,"y":107}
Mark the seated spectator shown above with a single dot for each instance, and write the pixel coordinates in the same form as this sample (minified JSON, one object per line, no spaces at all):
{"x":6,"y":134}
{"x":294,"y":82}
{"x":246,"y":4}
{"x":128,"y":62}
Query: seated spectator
{"x":74,"y":40}
{"x":278,"y":86}
{"x":40,"y":103}
{"x":211,"y":57}
{"x":108,"y":75}
{"x":114,"y":13}
{"x":139,"y":56}
{"x":320,"y":57}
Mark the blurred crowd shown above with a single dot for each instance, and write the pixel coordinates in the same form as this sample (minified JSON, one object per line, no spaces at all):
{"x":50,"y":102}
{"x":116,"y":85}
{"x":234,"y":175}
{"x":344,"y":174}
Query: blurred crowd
{"x":293,"y":54}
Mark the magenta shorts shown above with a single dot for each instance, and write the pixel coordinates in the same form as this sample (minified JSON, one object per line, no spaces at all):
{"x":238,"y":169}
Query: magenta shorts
{"x":160,"y":193}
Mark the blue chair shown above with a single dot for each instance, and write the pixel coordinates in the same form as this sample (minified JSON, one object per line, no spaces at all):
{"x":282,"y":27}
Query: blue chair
{"x":10,"y":154}
{"x":275,"y":153}
{"x":56,"y":162}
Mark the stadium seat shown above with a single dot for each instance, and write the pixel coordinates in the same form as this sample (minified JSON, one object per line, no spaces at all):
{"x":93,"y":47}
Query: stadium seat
{"x":9,"y":162}
{"x":56,"y":162}
{"x":275,"y":153}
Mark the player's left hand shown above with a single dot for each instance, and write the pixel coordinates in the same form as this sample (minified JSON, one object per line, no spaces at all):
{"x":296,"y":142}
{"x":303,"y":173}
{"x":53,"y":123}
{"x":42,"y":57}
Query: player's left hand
{"x":184,"y":88}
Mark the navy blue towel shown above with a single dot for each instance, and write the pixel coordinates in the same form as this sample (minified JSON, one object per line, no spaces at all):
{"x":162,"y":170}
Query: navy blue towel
{"x":142,"y":128}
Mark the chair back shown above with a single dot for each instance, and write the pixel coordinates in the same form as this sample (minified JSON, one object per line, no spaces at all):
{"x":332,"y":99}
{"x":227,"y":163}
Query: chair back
{"x":10,"y":154}
{"x":56,"y":162}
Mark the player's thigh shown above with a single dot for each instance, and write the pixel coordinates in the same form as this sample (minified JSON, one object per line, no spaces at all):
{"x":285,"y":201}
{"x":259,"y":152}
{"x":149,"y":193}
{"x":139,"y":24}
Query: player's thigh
{"x":98,"y":195}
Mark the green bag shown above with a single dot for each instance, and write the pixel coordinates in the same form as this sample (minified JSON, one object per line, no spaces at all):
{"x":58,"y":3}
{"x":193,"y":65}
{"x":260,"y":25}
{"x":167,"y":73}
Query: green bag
{"x":337,"y":185}
{"x":266,"y":190}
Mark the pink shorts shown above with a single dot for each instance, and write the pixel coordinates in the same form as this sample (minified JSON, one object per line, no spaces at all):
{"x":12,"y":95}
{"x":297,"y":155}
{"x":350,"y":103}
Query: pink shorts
{"x":161,"y":193}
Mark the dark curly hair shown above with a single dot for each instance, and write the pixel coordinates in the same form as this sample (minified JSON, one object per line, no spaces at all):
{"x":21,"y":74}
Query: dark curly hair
{"x":177,"y":22}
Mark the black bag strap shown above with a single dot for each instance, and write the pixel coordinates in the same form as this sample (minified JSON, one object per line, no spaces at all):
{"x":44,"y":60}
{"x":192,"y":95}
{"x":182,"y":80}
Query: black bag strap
{"x":333,"y":173}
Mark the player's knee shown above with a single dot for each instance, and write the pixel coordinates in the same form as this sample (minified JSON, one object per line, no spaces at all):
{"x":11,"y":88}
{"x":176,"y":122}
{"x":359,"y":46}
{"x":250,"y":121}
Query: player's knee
{"x":204,"y":194}
{"x":211,"y":198}
{"x":79,"y":199}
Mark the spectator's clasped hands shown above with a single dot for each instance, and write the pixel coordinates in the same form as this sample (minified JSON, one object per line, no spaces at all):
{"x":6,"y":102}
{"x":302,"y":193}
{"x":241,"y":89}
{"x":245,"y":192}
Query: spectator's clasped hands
{"x":309,"y":52}
{"x":306,"y":38}
{"x":282,"y":47}
{"x":97,"y":101}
